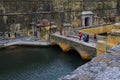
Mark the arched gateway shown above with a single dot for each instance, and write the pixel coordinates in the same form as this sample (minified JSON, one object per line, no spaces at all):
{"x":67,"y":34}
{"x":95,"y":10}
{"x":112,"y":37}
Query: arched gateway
{"x":87,"y":18}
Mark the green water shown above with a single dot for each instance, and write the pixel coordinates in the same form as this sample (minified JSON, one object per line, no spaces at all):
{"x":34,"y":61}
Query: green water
{"x":37,"y":63}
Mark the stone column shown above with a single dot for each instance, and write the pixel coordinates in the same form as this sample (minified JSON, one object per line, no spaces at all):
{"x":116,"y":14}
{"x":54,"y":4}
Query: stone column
{"x":38,"y":35}
{"x":91,"y":21}
{"x":33,"y":30}
{"x":83,"y":21}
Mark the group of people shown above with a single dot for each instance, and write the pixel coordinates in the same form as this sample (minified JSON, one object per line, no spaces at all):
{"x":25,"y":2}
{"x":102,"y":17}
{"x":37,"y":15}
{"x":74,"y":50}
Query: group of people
{"x":85,"y":37}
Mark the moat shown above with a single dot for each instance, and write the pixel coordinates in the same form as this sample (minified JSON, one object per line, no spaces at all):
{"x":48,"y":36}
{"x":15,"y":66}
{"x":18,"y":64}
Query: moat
{"x":37,"y":63}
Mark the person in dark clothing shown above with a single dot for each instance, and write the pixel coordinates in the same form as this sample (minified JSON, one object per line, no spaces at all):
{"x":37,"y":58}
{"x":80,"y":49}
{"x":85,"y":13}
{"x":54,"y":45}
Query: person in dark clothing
{"x":84,"y":37}
{"x":15,"y":34}
{"x":8,"y":34}
{"x":95,"y":38}
{"x":87,"y":38}
{"x":60,"y":32}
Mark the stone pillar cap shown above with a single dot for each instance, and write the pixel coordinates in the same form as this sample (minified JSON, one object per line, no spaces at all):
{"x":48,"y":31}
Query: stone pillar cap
{"x":86,"y":12}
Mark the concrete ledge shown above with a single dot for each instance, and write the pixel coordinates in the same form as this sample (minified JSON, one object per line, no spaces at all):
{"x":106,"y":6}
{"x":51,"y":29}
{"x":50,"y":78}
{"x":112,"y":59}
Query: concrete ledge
{"x":27,"y":43}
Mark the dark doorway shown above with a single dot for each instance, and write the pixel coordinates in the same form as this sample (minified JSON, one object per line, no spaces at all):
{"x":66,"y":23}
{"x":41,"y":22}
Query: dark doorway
{"x":87,"y":21}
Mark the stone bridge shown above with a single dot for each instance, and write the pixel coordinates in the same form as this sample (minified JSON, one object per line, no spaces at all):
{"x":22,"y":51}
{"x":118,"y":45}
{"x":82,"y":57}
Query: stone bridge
{"x":86,"y":50}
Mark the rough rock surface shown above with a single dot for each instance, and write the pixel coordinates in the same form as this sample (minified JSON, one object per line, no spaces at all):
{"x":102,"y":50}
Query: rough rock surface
{"x":103,"y":67}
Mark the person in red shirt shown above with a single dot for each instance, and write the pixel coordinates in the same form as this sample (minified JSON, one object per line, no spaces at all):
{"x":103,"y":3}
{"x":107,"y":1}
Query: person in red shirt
{"x":80,"y":35}
{"x":95,"y":38}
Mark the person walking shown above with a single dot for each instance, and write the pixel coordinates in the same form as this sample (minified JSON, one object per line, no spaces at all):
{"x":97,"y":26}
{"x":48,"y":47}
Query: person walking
{"x":15,"y":34}
{"x":80,"y":35}
{"x":87,"y":38}
{"x":9,"y":34}
{"x":60,"y":31}
{"x":95,"y":38}
{"x":84,"y":37}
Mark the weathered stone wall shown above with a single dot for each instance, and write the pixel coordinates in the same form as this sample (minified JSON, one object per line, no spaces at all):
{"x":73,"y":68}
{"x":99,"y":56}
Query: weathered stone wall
{"x":11,"y":8}
{"x":103,"y":67}
{"x":113,"y":37}
{"x":101,"y":47}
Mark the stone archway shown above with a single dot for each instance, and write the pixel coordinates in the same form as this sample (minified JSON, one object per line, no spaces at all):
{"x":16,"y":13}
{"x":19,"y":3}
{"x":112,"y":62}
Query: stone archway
{"x":87,"y":21}
{"x":87,"y":18}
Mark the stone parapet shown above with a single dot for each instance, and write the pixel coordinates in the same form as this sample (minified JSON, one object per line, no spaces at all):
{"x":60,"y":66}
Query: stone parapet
{"x":115,"y":32}
{"x":98,"y":30}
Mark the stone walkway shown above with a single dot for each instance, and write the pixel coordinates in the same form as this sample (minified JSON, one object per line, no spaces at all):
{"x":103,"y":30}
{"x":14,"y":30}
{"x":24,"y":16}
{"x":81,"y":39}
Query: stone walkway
{"x":104,"y":67}
{"x":23,"y":41}
{"x":91,"y":43}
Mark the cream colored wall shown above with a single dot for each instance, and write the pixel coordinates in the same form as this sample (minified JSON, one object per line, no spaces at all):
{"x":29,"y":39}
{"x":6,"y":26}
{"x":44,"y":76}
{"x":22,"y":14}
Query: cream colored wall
{"x":101,"y":47}
{"x":112,"y":39}
{"x":98,"y":30}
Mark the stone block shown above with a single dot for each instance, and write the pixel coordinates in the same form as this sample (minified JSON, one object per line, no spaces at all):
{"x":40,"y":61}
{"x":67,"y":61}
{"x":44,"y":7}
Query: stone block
{"x":101,"y":47}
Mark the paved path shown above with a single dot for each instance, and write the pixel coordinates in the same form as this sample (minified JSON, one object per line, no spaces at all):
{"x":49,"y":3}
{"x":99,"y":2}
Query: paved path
{"x":91,"y":43}
{"x":23,"y":41}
